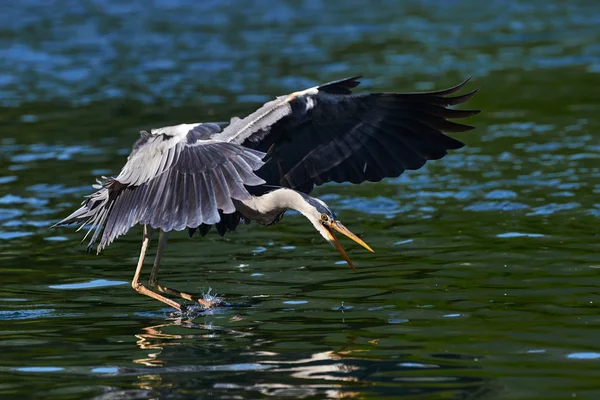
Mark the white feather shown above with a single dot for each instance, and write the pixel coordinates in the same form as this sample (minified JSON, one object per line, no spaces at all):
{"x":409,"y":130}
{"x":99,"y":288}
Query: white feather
{"x":281,"y":200}
{"x":180,"y":130}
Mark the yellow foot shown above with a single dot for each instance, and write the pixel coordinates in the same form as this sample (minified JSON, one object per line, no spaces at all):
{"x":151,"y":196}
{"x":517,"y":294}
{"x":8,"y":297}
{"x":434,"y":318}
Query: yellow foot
{"x":209,"y":300}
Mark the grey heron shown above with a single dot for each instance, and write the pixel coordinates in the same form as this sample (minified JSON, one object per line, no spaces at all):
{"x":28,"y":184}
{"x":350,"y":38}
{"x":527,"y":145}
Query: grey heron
{"x":194,"y":176}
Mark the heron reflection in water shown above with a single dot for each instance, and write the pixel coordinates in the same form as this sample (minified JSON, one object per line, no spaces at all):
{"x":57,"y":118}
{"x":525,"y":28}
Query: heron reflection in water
{"x":194,"y":176}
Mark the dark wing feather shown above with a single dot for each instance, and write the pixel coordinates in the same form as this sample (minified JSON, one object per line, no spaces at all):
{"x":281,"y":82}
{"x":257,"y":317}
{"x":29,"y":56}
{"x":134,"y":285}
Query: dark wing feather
{"x":327,"y":134}
{"x":173,"y":179}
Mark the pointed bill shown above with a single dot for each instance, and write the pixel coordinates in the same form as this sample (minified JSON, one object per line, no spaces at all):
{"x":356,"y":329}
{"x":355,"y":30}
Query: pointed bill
{"x":336,"y":225}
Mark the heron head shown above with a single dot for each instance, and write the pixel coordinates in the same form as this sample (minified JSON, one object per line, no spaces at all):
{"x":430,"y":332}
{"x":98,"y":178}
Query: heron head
{"x":326,"y":222}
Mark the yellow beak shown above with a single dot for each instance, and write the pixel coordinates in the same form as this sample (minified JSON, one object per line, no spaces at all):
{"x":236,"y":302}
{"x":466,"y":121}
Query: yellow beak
{"x":336,"y":225}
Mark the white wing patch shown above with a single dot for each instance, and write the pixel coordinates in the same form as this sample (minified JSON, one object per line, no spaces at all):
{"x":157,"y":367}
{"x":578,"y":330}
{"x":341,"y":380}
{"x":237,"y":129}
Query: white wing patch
{"x":313,"y":91}
{"x":266,"y":116}
{"x":175,"y":130}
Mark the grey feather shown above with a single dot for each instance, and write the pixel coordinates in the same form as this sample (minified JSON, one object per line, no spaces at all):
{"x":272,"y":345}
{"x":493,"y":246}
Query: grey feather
{"x":173,"y":179}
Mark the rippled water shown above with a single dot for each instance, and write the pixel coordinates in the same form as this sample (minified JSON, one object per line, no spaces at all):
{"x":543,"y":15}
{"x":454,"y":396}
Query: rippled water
{"x":484,"y":281}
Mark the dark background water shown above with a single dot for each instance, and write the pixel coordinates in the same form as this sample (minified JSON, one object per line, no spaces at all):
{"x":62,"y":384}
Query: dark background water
{"x":484,"y":283}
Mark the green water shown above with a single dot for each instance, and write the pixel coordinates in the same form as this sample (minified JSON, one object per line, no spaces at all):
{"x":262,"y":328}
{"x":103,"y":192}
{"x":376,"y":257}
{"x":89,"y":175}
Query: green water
{"x":484,"y":283}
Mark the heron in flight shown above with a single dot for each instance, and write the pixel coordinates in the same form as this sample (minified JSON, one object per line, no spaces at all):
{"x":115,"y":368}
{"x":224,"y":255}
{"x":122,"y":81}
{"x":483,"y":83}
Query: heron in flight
{"x":198,"y":175}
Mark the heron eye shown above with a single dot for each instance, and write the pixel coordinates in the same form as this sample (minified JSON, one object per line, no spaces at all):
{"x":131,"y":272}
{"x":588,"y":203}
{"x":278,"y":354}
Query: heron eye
{"x":324,"y":217}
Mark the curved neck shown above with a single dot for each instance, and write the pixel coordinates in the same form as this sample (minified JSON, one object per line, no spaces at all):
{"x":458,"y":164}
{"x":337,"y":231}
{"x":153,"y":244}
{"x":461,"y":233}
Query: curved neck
{"x":280,"y":200}
{"x":268,"y":208}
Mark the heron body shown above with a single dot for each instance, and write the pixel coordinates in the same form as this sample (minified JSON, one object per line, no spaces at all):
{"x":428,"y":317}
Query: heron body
{"x":194,"y":176}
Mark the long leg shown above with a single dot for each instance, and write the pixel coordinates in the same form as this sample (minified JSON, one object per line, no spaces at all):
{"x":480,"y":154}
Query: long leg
{"x":153,"y":282}
{"x":137,"y":285}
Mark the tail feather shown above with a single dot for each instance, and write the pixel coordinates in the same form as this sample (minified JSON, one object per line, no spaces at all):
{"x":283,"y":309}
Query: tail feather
{"x":76,"y":216}
{"x":83,"y":212}
{"x":93,"y":211}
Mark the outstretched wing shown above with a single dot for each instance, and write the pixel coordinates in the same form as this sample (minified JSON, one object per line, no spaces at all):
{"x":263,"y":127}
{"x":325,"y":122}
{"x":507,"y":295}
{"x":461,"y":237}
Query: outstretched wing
{"x":175,"y":177}
{"x":326,"y":133}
